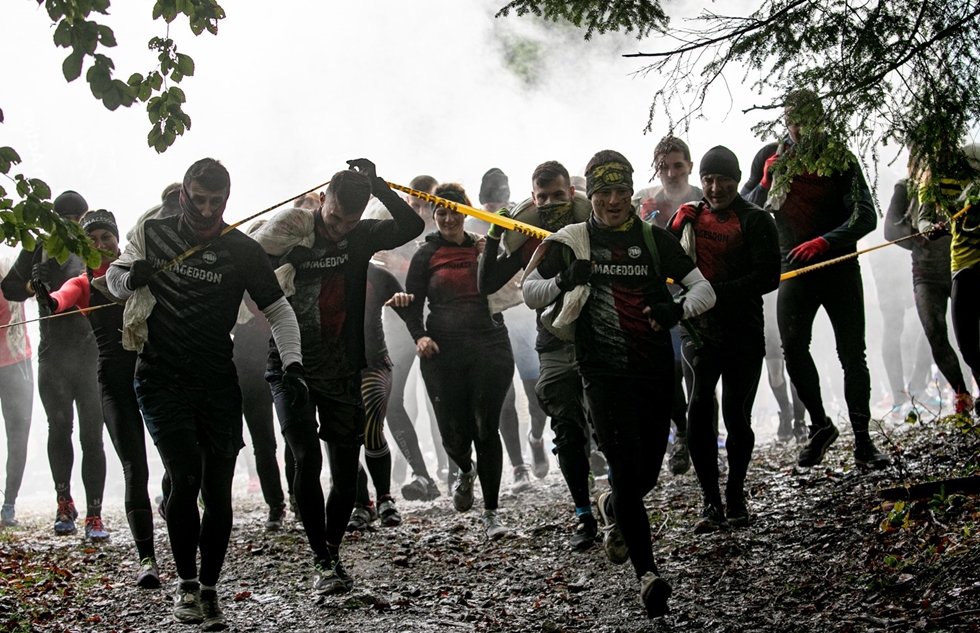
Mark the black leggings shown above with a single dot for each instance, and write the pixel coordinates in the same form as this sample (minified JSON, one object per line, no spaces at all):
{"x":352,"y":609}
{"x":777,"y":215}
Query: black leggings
{"x":739,"y":372}
{"x":194,"y":469}
{"x":71,"y":380}
{"x":839,"y":290}
{"x":931,"y":299}
{"x":467,"y":384}
{"x":966,"y":316}
{"x":401,"y":350}
{"x":510,"y":428}
{"x":17,"y":404}
{"x":125,"y":425}
{"x":257,"y":411}
{"x":376,"y":389}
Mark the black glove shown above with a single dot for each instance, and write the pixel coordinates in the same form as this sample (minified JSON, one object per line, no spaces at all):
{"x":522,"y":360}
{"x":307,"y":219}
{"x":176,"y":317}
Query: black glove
{"x":667,"y":314}
{"x":294,"y":386}
{"x":578,"y":273}
{"x":364,"y":166}
{"x":140,"y":273}
{"x":42,"y":272}
{"x":43,"y":295}
{"x":299,"y":255}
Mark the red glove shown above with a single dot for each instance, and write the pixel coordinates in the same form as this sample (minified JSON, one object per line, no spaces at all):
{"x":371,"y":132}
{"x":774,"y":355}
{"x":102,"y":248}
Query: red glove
{"x":648,"y":209}
{"x":686,"y":213}
{"x":808,"y":250}
{"x":766,"y":182}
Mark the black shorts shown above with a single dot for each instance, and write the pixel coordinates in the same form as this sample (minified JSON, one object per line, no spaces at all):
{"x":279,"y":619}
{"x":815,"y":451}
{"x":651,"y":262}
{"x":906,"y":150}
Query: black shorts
{"x":338,"y":404}
{"x":215,"y":415}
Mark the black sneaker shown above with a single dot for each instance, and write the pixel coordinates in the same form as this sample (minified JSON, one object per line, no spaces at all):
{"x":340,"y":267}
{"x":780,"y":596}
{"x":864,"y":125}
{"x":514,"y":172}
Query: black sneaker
{"x":331,"y":577}
{"x":214,"y":620}
{"x":420,"y":489}
{"x":539,"y":458}
{"x":463,"y":489}
{"x":680,"y":457}
{"x":8,"y":516}
{"x":64,"y":519}
{"x":387,"y":512}
{"x":712,"y":520}
{"x":360,"y":519}
{"x":737,"y":512}
{"x":865,"y":454}
{"x":784,"y":434}
{"x":654,"y":591}
{"x":821,"y":437}
{"x":612,"y":539}
{"x":148,"y":576}
{"x":277,"y":514}
{"x":586,"y":533}
{"x":187,"y":603}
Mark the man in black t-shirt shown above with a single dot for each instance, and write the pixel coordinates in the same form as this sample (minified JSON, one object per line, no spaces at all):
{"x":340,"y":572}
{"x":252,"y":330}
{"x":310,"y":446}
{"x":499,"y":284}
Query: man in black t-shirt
{"x":186,"y":381}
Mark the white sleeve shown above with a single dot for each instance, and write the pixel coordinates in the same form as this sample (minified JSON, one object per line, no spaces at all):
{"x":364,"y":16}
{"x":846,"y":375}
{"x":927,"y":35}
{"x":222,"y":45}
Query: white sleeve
{"x":285,"y":331}
{"x":538,"y":291}
{"x":699,"y":297}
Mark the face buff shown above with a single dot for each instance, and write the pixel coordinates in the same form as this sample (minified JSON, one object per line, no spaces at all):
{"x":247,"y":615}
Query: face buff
{"x":555,"y":215}
{"x":207,"y":228}
{"x":606,"y":176}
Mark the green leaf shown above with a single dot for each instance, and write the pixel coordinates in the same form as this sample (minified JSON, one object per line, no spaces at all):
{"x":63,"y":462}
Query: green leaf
{"x":111,"y":98}
{"x":41,"y":189}
{"x":177,"y":95}
{"x":62,"y":34}
{"x":106,"y":36}
{"x":185,"y":64}
{"x":27,"y":240}
{"x":72,"y":66}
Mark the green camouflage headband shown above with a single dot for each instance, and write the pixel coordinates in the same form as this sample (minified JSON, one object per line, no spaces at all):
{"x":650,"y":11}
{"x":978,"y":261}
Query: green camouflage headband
{"x":606,"y":176}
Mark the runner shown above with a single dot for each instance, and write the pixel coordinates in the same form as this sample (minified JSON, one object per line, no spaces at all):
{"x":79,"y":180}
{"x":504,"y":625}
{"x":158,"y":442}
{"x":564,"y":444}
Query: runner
{"x":466,"y":362}
{"x":186,"y":382}
{"x":329,"y":250}
{"x":623,"y":349}
{"x":66,"y":376}
{"x":736,"y":249}
{"x":115,"y":371}
{"x":821,"y":217}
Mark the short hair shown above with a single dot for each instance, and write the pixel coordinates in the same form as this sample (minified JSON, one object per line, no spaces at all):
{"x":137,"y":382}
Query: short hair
{"x":423,"y":183}
{"x":668,"y":145}
{"x":606,"y":156}
{"x":351,"y":189}
{"x":169,"y":190}
{"x":548,"y":172}
{"x":452,"y":188}
{"x":210,"y":173}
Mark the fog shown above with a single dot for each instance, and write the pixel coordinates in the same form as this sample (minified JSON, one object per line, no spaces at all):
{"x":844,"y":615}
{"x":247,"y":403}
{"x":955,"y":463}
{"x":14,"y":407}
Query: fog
{"x":290,"y":90}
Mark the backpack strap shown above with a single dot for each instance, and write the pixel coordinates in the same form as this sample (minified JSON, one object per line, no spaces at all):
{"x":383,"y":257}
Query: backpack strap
{"x":652,"y":247}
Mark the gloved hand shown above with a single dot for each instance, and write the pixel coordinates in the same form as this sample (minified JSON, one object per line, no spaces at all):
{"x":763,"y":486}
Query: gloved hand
{"x":294,"y":386}
{"x":364,"y":166}
{"x":766,"y":182}
{"x":664,"y":315}
{"x":140,"y":273}
{"x":578,"y":273}
{"x":299,"y":255}
{"x":808,"y":250}
{"x":42,"y":272}
{"x":43,"y":295}
{"x":686,"y":214}
{"x":496,"y":232}
{"x":648,"y":210}
{"x":938,"y":231}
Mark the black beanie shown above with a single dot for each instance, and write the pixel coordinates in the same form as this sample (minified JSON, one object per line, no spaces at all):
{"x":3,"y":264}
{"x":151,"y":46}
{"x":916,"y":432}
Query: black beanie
{"x":721,"y":161}
{"x":101,"y":219}
{"x":70,"y":203}
{"x":495,"y":187}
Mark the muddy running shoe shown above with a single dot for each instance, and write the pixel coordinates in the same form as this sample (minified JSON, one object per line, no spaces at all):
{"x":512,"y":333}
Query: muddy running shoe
{"x":821,"y":437}
{"x":712,"y":520}
{"x":737,"y":512}
{"x":522,"y":478}
{"x":277,"y":514}
{"x":800,"y":431}
{"x":148,"y":576}
{"x":493,"y":526}
{"x":963,"y":403}
{"x":585,"y":534}
{"x":420,"y":489}
{"x":187,"y":603}
{"x":64,"y":520}
{"x":463,"y":489}
{"x":329,"y":576}
{"x":784,"y":433}
{"x":360,"y":519}
{"x":612,"y":538}
{"x":7,"y":516}
{"x":214,"y":619}
{"x":654,"y":591}
{"x":387,"y":512}
{"x":680,"y":457}
{"x":94,"y":530}
{"x":539,"y":458}
{"x":865,"y":454}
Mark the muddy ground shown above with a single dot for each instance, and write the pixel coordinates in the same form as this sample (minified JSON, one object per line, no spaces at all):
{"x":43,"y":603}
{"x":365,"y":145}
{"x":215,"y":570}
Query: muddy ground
{"x":822,"y":554}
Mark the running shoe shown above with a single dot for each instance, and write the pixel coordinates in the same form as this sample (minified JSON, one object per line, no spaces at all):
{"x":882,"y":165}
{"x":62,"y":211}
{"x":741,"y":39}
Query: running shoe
{"x":680,"y":457}
{"x":148,"y":576}
{"x":277,"y":514}
{"x":654,"y":592}
{"x":64,"y":520}
{"x":463,"y":489}
{"x":821,"y":437}
{"x":585,"y":534}
{"x":784,"y":433}
{"x":493,"y":526}
{"x":187,"y":603}
{"x":420,"y":489}
{"x":387,"y":512}
{"x":7,"y":516}
{"x":865,"y":454}
{"x":963,"y":403}
{"x":737,"y":512}
{"x":539,"y":458}
{"x":329,"y":576}
{"x":712,"y":520}
{"x":360,"y":519}
{"x":612,"y":538}
{"x":522,"y":478}
{"x":94,"y":530}
{"x":800,"y":431}
{"x":214,"y":619}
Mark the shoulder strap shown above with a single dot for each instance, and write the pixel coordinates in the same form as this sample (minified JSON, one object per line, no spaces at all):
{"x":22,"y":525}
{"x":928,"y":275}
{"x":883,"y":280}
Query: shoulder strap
{"x":652,"y":247}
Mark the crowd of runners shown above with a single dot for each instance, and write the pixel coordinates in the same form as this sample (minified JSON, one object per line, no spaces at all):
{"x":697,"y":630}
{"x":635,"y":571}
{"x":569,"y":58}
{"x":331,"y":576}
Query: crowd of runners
{"x":621,"y":325}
